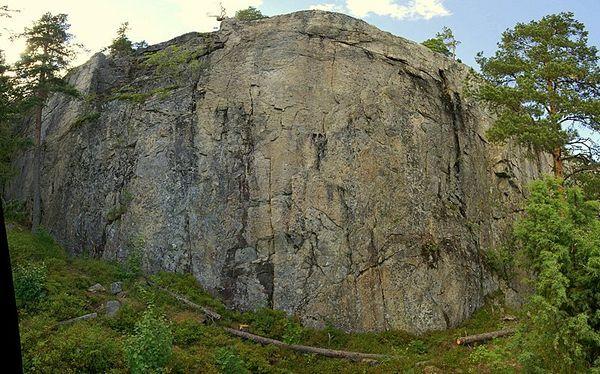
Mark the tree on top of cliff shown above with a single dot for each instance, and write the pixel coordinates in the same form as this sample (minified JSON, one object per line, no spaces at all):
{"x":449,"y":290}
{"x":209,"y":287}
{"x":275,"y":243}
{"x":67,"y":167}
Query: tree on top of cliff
{"x":49,"y":51}
{"x":121,"y":44}
{"x":444,"y":43}
{"x":249,"y":14}
{"x":543,"y":83}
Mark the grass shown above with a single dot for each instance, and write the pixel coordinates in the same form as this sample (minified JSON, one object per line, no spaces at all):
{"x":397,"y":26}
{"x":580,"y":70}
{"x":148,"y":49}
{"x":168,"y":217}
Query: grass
{"x":97,"y":345}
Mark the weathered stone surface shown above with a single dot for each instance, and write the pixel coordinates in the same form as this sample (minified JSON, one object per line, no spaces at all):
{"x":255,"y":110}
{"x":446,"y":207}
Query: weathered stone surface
{"x":116,"y":287}
{"x":97,"y":288}
{"x":307,"y":162}
{"x":112,"y":307}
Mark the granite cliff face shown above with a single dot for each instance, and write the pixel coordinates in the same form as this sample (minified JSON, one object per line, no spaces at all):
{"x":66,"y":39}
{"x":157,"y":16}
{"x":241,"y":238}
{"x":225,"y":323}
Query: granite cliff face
{"x":307,"y":162}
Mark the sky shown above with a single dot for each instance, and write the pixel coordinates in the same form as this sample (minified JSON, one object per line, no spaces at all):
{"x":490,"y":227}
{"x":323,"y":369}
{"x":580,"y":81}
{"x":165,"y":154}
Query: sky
{"x":478,"y":24}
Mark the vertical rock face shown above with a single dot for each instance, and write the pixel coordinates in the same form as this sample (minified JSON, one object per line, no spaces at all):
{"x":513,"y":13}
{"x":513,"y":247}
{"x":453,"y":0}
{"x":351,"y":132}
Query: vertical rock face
{"x":307,"y":162}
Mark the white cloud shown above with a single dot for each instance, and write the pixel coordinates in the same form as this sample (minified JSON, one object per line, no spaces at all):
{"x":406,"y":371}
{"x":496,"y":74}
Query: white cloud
{"x":94,"y":23}
{"x":411,"y":9}
{"x":329,"y":7}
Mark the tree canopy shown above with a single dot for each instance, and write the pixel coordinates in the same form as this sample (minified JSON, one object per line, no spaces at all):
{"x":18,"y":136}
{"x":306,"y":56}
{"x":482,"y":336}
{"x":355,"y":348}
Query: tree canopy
{"x":543,"y":83}
{"x":444,"y":43}
{"x":249,"y":14}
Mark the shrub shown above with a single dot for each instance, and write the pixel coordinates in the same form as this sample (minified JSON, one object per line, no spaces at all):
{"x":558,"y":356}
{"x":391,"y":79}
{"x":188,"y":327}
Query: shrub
{"x":230,"y":362}
{"x":187,"y":332}
{"x":30,"y":284}
{"x":81,"y":347}
{"x":65,"y":305}
{"x":249,"y":14}
{"x":14,"y":211}
{"x":150,"y":347}
{"x":293,"y":333}
{"x":560,"y":238}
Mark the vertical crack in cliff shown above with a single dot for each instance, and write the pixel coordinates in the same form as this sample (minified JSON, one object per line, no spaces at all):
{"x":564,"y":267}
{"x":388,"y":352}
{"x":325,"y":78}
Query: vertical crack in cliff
{"x":453,"y":104}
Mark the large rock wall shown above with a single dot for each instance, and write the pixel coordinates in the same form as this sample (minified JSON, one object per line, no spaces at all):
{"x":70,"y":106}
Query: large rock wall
{"x":307,"y":162}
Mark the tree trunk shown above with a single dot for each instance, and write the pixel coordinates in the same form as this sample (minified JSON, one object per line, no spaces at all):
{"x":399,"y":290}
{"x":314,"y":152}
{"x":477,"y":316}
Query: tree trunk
{"x":354,"y":356}
{"x":558,"y":162}
{"x":484,"y":337}
{"x":36,"y":213}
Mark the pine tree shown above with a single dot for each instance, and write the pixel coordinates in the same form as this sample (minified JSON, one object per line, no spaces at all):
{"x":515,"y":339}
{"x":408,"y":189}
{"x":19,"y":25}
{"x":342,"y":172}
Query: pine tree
{"x":121,"y":44}
{"x":444,"y":43}
{"x":49,"y":51}
{"x":543,"y":83}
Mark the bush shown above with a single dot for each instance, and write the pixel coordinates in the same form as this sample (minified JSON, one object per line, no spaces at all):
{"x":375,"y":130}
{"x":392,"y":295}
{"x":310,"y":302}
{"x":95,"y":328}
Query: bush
{"x":81,"y":347}
{"x":230,"y":362}
{"x":150,"y":347}
{"x":560,"y":238}
{"x":187,"y":332}
{"x":30,"y":284}
{"x":14,"y":211}
{"x":249,"y":14}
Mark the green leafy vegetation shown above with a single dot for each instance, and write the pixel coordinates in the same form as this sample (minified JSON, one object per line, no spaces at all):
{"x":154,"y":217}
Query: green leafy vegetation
{"x":444,"y":43}
{"x":560,"y":237}
{"x":86,"y":118}
{"x":30,"y":284}
{"x":249,"y":14}
{"x":121,"y":45}
{"x":150,"y":347}
{"x":542,"y":83}
{"x":173,"y":59}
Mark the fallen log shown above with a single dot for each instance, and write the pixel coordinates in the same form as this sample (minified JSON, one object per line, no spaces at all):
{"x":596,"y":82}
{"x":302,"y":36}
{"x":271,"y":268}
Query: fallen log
{"x":484,"y":337}
{"x":208,"y":312}
{"x":80,"y":318}
{"x":354,"y":356}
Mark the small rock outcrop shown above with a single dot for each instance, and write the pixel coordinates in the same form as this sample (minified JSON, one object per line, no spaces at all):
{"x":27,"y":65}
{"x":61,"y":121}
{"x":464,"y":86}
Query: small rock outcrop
{"x":97,"y":288}
{"x":112,"y":307}
{"x":307,"y":162}
{"x":116,"y":288}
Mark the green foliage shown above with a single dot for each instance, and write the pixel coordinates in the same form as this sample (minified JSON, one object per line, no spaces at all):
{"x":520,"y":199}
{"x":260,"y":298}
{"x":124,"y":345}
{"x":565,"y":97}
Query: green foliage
{"x":49,"y":51}
{"x":121,"y":45}
{"x":501,"y":260}
{"x":135,"y":97}
{"x":15,"y":211}
{"x":444,"y":43}
{"x":418,"y":346}
{"x":30,"y":284}
{"x":86,"y":118}
{"x":132,"y":267}
{"x":542,"y":83}
{"x":249,"y":14}
{"x":437,"y":45}
{"x":493,"y":359}
{"x":11,"y":106}
{"x":120,"y":208}
{"x":230,"y":362}
{"x":293,"y":332}
{"x":82,"y":347}
{"x":187,"y":332}
{"x":79,"y":348}
{"x":589,"y":182}
{"x":560,"y":237}
{"x":150,"y":347}
{"x":172,"y":60}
